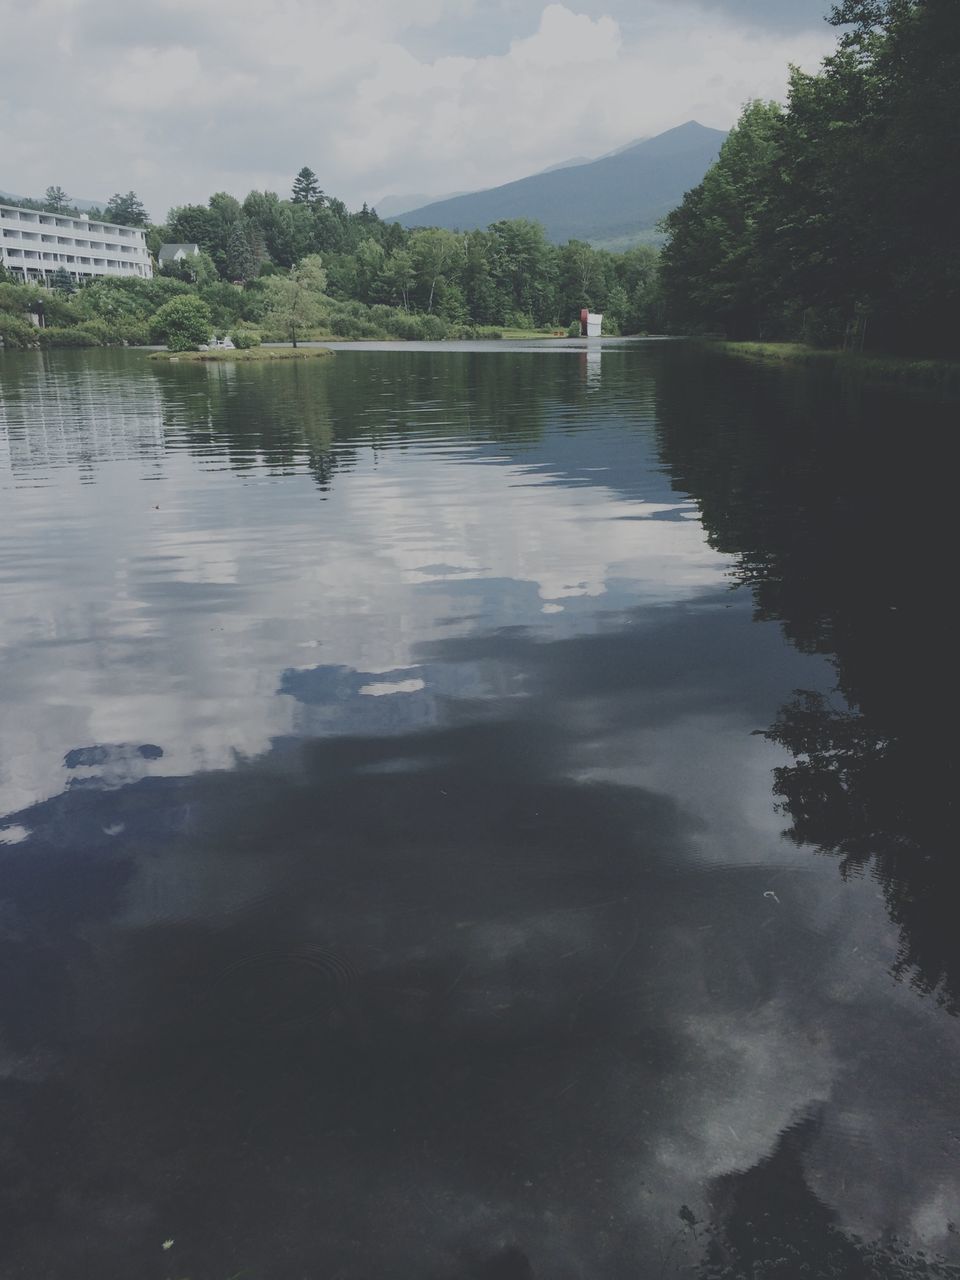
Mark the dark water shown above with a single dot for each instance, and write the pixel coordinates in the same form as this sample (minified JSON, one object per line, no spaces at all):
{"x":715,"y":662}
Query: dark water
{"x":474,"y":814}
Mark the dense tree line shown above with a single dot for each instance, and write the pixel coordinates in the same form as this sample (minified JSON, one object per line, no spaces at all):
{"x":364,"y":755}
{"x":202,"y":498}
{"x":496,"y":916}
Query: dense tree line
{"x":508,"y":275}
{"x":308,"y":266}
{"x":833,"y":218}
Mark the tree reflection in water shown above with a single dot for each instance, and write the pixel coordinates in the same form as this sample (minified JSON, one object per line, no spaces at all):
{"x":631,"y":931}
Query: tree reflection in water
{"x":833,"y":509}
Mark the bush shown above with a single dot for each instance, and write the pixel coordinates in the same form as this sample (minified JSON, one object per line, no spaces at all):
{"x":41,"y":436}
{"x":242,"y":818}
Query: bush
{"x":17,"y":298}
{"x":17,"y":332}
{"x":182,"y":323}
{"x":134,"y":332}
{"x":244,"y":339}
{"x":520,"y":320}
{"x":434,"y":329}
{"x":574,"y":329}
{"x":345,"y":323}
{"x":90,"y":334}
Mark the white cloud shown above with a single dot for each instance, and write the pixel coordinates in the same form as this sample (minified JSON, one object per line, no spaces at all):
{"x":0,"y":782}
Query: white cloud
{"x":226,"y":94}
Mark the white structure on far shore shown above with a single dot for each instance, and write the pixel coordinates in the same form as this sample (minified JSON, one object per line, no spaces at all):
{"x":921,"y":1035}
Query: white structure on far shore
{"x":34,"y":244}
{"x":591,"y":323}
{"x":171,"y":254}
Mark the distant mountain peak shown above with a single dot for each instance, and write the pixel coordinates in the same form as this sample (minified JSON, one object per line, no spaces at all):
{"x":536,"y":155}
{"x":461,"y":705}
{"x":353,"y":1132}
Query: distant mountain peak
{"x":615,"y":196}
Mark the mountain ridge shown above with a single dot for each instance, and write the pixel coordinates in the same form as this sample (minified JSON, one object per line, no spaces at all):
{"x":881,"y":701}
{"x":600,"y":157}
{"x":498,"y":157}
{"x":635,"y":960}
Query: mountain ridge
{"x":615,"y":195}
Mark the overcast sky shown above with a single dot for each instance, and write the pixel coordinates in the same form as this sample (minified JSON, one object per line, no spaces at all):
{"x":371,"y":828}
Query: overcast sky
{"x":180,"y":98}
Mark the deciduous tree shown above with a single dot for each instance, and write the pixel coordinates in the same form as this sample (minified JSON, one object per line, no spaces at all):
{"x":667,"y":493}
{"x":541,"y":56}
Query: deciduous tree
{"x":294,"y":301}
{"x":182,"y":323}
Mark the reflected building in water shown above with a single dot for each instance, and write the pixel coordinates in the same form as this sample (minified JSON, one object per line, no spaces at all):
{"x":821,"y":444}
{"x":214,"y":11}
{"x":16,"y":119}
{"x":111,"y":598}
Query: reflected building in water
{"x":82,"y":415}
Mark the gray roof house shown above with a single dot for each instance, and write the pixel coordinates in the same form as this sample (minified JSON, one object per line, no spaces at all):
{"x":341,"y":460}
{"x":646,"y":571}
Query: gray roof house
{"x":170,"y":253}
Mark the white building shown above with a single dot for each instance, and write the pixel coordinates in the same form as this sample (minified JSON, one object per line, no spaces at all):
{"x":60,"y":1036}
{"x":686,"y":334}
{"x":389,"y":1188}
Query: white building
{"x":34,"y":244}
{"x":591,"y":323}
{"x":172,"y":254}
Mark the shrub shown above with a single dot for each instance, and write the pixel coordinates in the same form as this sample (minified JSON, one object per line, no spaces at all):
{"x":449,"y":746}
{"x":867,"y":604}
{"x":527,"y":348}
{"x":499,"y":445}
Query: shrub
{"x":243,"y":339}
{"x":17,"y":298}
{"x":133,"y":331}
{"x":520,"y":320}
{"x":17,"y":332}
{"x":433,"y":328}
{"x":573,"y":329}
{"x":182,"y":323}
{"x":78,"y":335}
{"x":345,"y":323}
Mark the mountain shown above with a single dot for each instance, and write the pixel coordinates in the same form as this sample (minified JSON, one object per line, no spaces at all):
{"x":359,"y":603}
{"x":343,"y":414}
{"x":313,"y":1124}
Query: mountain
{"x":614,"y":197}
{"x":567,"y":164}
{"x":391,"y":207}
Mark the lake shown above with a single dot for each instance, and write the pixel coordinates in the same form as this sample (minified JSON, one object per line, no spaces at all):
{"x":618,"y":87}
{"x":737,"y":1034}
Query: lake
{"x":475,"y":811}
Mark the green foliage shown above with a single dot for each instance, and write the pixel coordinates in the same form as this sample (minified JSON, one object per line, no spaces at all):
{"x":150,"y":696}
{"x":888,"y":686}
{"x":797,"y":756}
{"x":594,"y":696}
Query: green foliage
{"x":93,"y":333}
{"x":834,"y":220}
{"x":190,"y":224}
{"x":17,"y":298}
{"x":241,"y":264}
{"x":182,"y":323}
{"x":714,"y":270}
{"x":260,"y":266}
{"x":16,"y":332}
{"x":62,"y":281}
{"x":306,"y":188}
{"x":56,"y":199}
{"x":244,"y":339}
{"x":482,"y":277}
{"x":127,"y":210}
{"x":294,"y":301}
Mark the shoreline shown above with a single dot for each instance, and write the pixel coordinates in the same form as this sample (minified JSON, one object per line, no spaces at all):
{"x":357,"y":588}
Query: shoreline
{"x":935,"y":374}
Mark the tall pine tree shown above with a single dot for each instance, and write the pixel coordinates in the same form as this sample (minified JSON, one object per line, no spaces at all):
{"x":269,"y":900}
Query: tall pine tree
{"x":240,"y":262}
{"x":306,"y":188}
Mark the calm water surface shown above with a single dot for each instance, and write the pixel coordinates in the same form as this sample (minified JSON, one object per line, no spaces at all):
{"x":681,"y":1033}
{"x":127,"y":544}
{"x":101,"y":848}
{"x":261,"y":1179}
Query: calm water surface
{"x":474,"y":813}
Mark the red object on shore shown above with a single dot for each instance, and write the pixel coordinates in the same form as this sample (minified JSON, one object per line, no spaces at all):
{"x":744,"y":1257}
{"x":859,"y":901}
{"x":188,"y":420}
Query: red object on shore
{"x":583,"y":322}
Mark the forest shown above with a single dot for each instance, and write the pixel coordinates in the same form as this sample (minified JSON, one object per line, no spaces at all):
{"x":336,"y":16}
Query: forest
{"x":833,"y":219}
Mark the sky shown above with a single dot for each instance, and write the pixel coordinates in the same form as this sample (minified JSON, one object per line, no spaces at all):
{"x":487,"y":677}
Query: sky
{"x":181,"y":98}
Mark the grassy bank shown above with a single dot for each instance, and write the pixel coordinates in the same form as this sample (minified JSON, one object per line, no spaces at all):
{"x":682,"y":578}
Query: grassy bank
{"x":252,"y":354}
{"x":939,"y":374}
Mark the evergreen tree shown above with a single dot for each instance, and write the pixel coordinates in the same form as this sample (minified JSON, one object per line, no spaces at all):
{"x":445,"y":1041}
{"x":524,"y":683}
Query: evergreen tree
{"x":56,"y":199}
{"x":62,"y":281}
{"x":306,"y":188}
{"x":127,"y":210}
{"x":240,"y":263}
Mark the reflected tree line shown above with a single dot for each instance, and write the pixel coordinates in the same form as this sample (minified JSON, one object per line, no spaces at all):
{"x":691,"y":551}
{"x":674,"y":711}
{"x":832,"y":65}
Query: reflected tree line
{"x":828,"y":496}
{"x":281,"y":417}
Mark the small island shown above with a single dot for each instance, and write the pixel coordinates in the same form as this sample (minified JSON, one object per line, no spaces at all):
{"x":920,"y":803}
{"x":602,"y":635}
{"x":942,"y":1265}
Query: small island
{"x":221,"y":355}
